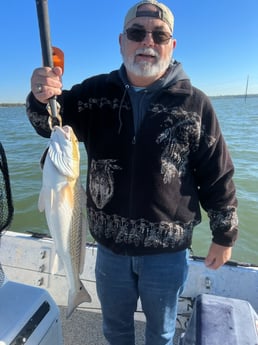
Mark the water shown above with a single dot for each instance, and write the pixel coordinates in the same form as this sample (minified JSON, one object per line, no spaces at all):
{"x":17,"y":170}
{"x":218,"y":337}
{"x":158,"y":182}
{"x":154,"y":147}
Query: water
{"x":239,"y":122}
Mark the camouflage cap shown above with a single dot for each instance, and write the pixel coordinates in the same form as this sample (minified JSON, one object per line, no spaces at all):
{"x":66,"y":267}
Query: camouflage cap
{"x":163,"y":13}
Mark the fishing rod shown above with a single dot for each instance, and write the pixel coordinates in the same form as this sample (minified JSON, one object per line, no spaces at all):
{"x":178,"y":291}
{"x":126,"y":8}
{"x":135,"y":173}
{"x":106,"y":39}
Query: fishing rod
{"x":51,"y":56}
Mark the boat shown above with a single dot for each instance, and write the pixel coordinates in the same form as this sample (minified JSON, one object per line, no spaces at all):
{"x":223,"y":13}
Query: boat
{"x":216,"y":308}
{"x":33,"y":300}
{"x":28,"y":258}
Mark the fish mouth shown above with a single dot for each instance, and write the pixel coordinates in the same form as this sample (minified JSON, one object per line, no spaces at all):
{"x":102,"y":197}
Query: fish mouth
{"x":65,"y":131}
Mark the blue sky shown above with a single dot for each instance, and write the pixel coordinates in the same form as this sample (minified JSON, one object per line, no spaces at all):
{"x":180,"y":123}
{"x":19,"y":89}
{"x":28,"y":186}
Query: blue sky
{"x":217,"y":42}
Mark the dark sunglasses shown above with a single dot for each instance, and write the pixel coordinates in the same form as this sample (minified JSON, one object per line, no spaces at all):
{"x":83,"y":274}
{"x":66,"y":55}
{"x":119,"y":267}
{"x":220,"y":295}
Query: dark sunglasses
{"x":138,"y":35}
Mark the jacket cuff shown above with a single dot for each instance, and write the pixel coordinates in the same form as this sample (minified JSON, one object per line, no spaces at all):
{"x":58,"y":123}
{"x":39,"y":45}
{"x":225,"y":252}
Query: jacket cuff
{"x":38,"y":115}
{"x":224,"y":226}
{"x":32,"y":102}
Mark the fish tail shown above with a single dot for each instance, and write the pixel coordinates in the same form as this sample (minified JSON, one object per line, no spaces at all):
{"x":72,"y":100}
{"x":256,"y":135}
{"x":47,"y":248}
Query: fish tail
{"x":76,"y":299}
{"x":57,"y":265}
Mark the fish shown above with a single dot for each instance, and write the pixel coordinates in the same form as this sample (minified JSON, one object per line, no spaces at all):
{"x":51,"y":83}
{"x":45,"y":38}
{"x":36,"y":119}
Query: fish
{"x":63,"y":199}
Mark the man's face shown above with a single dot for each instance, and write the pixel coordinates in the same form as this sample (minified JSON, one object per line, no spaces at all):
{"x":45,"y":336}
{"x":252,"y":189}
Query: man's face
{"x":147,"y":60}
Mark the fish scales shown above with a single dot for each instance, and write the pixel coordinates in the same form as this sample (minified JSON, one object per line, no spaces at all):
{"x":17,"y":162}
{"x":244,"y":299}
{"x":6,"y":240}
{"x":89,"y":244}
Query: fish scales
{"x":77,"y":240}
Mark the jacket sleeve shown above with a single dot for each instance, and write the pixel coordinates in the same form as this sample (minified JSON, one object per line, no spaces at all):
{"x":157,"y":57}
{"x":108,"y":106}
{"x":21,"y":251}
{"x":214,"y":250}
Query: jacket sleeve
{"x":69,"y":111}
{"x":214,"y":175}
{"x":38,"y":116}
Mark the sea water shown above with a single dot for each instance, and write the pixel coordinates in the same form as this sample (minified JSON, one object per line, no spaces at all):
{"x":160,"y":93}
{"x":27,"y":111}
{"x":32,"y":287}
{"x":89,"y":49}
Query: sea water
{"x":239,"y":122}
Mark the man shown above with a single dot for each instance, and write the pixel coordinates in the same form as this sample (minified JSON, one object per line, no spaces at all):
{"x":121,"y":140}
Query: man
{"x":155,"y":152}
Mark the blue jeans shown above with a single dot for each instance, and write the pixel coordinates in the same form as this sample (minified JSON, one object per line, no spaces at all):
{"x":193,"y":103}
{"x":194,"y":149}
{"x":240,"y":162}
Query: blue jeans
{"x":157,"y":279}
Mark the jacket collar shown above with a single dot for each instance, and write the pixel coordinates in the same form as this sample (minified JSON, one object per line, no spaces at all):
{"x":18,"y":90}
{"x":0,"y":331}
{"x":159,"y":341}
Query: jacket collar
{"x":175,"y":80}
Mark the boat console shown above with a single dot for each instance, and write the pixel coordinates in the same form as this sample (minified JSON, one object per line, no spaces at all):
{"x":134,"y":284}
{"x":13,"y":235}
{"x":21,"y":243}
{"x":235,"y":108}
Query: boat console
{"x":220,"y":320}
{"x":28,"y":315}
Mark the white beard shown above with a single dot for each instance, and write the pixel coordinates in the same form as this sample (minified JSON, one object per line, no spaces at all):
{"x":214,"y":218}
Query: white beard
{"x":146,"y":68}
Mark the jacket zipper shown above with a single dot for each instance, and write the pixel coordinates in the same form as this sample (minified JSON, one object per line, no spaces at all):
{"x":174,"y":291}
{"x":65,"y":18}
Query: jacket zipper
{"x":134,"y":142}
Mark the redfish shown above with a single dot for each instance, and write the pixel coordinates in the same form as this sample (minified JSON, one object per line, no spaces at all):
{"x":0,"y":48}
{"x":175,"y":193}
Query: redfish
{"x":63,"y":199}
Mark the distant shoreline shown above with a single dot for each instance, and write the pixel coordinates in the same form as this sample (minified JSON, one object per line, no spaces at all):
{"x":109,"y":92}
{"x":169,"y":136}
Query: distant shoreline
{"x":236,"y":96}
{"x":7,"y":104}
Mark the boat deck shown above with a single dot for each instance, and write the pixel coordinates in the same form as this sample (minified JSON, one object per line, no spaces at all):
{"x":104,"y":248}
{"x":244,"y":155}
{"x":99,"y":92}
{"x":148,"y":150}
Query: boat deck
{"x":85,"y":328}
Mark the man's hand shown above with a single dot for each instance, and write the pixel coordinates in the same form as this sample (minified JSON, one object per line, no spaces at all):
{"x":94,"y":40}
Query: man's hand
{"x":217,"y":256}
{"x":46,"y":82}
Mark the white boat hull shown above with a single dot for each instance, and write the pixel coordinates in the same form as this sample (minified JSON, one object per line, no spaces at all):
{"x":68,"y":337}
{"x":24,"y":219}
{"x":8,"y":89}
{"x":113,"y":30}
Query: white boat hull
{"x":28,"y":260}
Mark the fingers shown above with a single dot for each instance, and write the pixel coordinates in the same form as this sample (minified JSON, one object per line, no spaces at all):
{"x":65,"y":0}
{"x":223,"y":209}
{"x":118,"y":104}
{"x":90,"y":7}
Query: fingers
{"x":212,"y":263}
{"x":46,"y":82}
{"x":217,"y":256}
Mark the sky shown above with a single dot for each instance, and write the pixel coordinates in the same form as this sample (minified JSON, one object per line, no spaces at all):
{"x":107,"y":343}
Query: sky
{"x":217,"y":42}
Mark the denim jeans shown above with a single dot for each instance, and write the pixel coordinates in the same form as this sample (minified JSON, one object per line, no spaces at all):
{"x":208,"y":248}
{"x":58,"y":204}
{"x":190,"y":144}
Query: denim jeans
{"x":157,"y":280}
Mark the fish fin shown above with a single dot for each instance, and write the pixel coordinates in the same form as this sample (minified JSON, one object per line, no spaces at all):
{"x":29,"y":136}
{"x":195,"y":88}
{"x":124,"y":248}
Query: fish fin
{"x":54,"y":269}
{"x":85,"y":228}
{"x":76,"y":299}
{"x":43,"y":196}
{"x":41,"y":201}
{"x":83,"y":243}
{"x":83,"y":196}
{"x":83,"y":203}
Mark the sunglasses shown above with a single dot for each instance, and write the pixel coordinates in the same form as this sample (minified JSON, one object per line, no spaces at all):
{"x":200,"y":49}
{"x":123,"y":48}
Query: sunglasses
{"x":138,"y":35}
